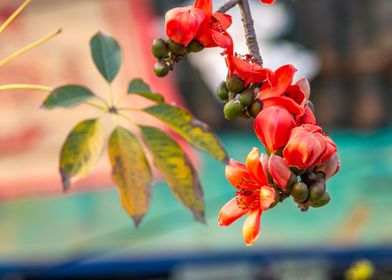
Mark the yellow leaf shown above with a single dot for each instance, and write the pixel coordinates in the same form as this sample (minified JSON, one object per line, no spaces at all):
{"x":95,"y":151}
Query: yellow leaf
{"x":177,"y":169}
{"x":81,"y":150}
{"x":131,"y":172}
{"x":191,"y":129}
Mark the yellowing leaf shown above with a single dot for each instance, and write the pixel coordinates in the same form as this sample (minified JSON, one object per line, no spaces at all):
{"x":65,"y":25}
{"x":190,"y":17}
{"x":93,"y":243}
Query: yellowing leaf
{"x":131,"y":172}
{"x":192,"y":130}
{"x":81,"y":150}
{"x":176,"y":168}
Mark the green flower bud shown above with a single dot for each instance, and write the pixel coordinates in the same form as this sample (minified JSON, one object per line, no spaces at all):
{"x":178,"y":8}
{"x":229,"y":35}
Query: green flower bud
{"x":176,"y":48}
{"x":235,"y":84}
{"x":316,"y":191}
{"x":232,"y":95}
{"x":232,"y":109}
{"x":246,"y":97}
{"x":255,"y":108}
{"x":159,"y":48}
{"x":322,"y":201}
{"x":300,"y":192}
{"x":160,"y":69}
{"x":222,"y":92}
{"x":195,"y":46}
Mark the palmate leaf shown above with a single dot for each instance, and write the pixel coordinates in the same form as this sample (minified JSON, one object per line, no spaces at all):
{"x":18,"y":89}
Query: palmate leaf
{"x":131,"y":172}
{"x":67,"y":97}
{"x":191,"y":129}
{"x":139,"y":87}
{"x":106,"y":53}
{"x":176,"y":168}
{"x":81,"y":150}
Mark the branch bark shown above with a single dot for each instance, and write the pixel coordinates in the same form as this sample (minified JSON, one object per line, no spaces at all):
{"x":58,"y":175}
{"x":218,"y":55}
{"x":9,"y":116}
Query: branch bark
{"x":227,"y":6}
{"x":250,"y":34}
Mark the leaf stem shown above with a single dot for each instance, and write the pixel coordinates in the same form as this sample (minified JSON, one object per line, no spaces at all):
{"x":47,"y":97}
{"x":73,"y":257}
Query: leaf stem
{"x":96,"y":105}
{"x":227,"y":6}
{"x":24,"y":86}
{"x":30,"y":46}
{"x":250,"y":34}
{"x":14,"y":15}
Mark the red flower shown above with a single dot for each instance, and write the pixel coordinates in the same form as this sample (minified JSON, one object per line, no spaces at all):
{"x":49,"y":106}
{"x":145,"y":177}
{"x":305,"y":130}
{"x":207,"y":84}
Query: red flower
{"x":268,"y":1}
{"x":273,"y":126}
{"x":245,"y":68}
{"x":182,"y":24}
{"x":198,"y":23}
{"x":278,"y":90}
{"x":307,"y":118}
{"x":308,"y":146}
{"x":253,"y":196}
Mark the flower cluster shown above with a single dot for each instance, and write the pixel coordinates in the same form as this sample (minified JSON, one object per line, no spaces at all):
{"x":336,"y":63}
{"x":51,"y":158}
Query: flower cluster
{"x":301,"y":156}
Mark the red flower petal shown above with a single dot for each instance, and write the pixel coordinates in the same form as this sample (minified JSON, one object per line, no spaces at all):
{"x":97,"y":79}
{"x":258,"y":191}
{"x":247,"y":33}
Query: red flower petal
{"x":205,"y":6}
{"x":237,"y":173}
{"x":251,"y":227}
{"x":230,"y":212}
{"x":255,"y":166}
{"x":278,"y":81}
{"x":267,"y":1}
{"x":267,"y":197}
{"x":273,"y":126}
{"x":279,"y":171}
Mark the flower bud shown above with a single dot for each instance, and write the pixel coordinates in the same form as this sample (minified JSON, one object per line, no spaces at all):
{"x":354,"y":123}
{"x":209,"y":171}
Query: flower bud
{"x":159,"y":48}
{"x":235,"y":84}
{"x":280,"y":172}
{"x":176,"y":48}
{"x":331,"y":167}
{"x":222,"y":92}
{"x":300,"y":192}
{"x":160,"y":69}
{"x":273,"y":127}
{"x":246,"y":97}
{"x":255,"y":108}
{"x":325,"y":198}
{"x":316,"y":191}
{"x":182,"y":24}
{"x":195,"y":46}
{"x":232,"y":109}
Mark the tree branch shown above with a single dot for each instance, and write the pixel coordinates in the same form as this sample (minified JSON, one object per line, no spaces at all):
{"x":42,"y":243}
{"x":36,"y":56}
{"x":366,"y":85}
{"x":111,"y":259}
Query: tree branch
{"x":227,"y":6}
{"x":250,"y":34}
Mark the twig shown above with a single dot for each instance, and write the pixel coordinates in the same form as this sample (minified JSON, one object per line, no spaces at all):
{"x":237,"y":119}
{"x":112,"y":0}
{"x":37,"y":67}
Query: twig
{"x":250,"y":34}
{"x":14,"y":15}
{"x":227,"y":6}
{"x":29,"y":47}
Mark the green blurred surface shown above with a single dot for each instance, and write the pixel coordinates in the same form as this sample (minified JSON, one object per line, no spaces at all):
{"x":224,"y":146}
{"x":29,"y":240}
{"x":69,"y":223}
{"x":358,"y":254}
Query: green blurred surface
{"x":84,"y":223}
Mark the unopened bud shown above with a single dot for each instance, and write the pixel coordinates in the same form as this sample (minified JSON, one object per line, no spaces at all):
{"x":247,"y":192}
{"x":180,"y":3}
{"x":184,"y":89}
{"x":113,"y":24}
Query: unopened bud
{"x":195,"y":46}
{"x":232,"y":109}
{"x":235,"y":84}
{"x":159,"y":48}
{"x":222,"y":92}
{"x":160,"y":69}
{"x":316,"y":191}
{"x":255,"y":108}
{"x":300,"y":192}
{"x":322,"y":201}
{"x":246,"y":97}
{"x":176,"y":48}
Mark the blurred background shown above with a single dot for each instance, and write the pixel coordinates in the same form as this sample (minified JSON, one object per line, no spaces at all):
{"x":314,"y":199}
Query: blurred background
{"x":343,"y":47}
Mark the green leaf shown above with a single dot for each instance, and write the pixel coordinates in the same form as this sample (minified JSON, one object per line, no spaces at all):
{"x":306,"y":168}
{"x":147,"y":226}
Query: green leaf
{"x":67,"y":97}
{"x":139,"y":87}
{"x":176,"y":168}
{"x":191,"y":129}
{"x":131,"y":172}
{"x":81,"y":150}
{"x":106,"y":53}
